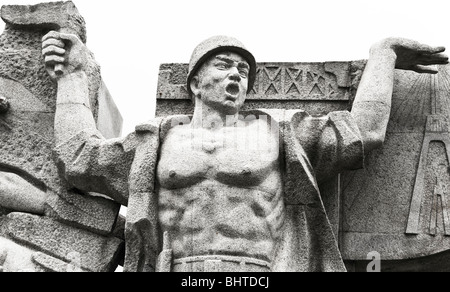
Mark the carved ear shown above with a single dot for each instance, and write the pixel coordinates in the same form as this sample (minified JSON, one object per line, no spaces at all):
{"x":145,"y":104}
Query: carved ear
{"x":194,"y":86}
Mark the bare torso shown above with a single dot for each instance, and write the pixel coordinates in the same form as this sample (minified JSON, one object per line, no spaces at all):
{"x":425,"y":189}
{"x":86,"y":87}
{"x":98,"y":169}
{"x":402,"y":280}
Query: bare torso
{"x":220,"y":191}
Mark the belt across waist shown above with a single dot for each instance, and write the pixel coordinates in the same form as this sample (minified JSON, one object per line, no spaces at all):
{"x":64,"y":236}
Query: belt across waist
{"x":220,"y":263}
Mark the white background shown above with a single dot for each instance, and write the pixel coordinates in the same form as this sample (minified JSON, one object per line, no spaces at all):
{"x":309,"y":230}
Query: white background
{"x":131,"y":38}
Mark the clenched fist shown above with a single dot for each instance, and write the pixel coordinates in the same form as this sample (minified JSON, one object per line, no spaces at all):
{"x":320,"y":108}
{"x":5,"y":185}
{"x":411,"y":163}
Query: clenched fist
{"x":63,"y":54}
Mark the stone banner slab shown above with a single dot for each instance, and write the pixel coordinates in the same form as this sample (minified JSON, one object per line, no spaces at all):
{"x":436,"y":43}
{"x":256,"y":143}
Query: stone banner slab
{"x":318,"y":87}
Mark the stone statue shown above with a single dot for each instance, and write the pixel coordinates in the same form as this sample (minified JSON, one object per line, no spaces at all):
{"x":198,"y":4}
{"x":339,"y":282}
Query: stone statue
{"x":225,"y":190}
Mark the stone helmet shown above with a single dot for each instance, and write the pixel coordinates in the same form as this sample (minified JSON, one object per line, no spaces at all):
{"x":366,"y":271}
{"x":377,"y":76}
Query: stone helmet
{"x":218,"y":44}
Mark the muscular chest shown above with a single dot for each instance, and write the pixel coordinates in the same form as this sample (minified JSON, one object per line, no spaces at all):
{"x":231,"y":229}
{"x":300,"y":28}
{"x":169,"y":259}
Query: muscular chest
{"x":236,"y":156}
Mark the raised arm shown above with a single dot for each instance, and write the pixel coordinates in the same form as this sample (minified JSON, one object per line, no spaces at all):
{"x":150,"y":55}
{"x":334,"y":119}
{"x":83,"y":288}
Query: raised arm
{"x":88,"y":161}
{"x":66,"y":59}
{"x":372,"y":105}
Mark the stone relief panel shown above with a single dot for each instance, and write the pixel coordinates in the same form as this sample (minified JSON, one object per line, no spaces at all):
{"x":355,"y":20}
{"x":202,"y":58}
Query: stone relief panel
{"x":398,"y":205}
{"x":305,"y":81}
{"x":315,"y":87}
{"x":274,"y":81}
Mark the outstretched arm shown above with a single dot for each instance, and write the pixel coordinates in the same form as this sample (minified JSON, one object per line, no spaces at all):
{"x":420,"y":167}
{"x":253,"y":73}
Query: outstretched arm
{"x":372,"y":105}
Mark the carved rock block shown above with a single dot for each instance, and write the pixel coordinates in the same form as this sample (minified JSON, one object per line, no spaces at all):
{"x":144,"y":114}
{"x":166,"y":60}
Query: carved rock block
{"x":26,"y":133}
{"x":51,"y":16}
{"x":27,"y":137}
{"x":62,"y":242}
{"x":398,"y":205}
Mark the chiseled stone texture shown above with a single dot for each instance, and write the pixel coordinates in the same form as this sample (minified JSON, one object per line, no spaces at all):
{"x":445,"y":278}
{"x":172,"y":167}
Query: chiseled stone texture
{"x":168,"y":107}
{"x":433,"y":263}
{"x":97,"y":253}
{"x":47,"y":263}
{"x":15,"y":258}
{"x":315,"y":87}
{"x":377,"y":200}
{"x":26,"y":130}
{"x":27,"y":141}
{"x":318,"y":88}
{"x":96,"y":214}
{"x":51,"y":15}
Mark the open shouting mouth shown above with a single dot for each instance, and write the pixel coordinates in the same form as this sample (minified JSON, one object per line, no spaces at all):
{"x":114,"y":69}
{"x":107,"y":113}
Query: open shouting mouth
{"x":232,"y":89}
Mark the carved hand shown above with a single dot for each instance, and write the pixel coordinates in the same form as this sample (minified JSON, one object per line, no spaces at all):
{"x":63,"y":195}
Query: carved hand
{"x":412,"y":55}
{"x":64,"y":54}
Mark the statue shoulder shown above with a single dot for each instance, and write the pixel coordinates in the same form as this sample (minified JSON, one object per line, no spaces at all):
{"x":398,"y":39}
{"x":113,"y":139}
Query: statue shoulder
{"x":162,"y":125}
{"x":278,"y":115}
{"x":151,"y":126}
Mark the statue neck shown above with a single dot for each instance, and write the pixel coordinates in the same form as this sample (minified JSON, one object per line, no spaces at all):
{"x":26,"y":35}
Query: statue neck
{"x":211,"y":119}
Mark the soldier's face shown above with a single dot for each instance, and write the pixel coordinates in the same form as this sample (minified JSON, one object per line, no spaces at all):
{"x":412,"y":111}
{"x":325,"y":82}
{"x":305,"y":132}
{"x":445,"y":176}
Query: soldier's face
{"x":222,"y":82}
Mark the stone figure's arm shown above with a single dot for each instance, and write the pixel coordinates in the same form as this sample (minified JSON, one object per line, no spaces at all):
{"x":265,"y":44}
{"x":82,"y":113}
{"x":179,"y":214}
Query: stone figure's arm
{"x":88,"y":161}
{"x":66,"y":61}
{"x":332,"y":143}
{"x":372,"y":105}
{"x":18,"y":194}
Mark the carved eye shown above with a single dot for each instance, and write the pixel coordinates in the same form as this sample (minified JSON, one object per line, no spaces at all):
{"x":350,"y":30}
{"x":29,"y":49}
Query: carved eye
{"x":243,"y":73}
{"x":222,"y":66}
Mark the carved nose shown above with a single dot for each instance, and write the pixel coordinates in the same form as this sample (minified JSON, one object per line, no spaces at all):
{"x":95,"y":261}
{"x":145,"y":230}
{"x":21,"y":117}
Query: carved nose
{"x":234,"y":75}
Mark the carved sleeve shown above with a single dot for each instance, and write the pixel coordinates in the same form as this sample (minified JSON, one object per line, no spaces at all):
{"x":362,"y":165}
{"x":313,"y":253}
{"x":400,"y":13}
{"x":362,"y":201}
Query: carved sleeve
{"x":92,"y":164}
{"x":332,"y":143}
